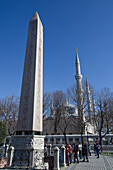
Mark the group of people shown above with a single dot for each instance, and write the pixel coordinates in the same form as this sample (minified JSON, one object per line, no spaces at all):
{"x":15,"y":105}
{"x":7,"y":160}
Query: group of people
{"x":76,"y":152}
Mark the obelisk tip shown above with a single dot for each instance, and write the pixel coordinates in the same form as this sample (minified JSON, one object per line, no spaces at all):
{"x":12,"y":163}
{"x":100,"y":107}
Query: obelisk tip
{"x":35,"y":16}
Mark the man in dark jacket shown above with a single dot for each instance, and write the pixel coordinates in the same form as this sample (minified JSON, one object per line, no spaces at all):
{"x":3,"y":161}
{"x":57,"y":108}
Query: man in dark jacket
{"x":97,"y":149}
{"x":85,"y":151}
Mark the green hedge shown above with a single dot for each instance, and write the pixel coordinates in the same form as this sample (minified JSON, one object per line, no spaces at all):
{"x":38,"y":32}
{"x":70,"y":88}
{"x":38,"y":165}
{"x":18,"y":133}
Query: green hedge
{"x":3,"y":132}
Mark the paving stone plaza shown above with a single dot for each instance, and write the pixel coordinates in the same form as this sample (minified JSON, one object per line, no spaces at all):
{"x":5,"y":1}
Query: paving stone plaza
{"x":103,"y":163}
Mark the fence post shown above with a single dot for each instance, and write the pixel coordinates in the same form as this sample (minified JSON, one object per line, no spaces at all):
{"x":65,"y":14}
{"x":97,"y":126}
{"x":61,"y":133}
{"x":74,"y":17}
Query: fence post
{"x":49,"y":149}
{"x":10,"y":155}
{"x":45,"y":151}
{"x":56,"y":158}
{"x":6,"y":150}
{"x":64,"y":156}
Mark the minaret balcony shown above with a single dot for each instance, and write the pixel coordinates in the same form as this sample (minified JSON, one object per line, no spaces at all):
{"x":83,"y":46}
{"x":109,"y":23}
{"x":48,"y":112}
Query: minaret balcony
{"x":78,"y":77}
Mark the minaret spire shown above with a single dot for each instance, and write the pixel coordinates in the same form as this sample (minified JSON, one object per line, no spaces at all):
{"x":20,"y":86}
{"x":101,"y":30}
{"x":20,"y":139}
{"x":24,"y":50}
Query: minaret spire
{"x":77,"y":59}
{"x":94,"y":111}
{"x":88,"y":100}
{"x":78,"y":72}
{"x":79,"y":90}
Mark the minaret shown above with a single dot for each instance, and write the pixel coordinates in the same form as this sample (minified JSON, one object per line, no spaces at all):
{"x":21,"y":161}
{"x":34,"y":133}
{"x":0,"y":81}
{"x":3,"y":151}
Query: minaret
{"x":66,"y":101}
{"x":52,"y":108}
{"x":88,"y":101}
{"x":94,"y":111}
{"x":52,"y":104}
{"x":79,"y":90}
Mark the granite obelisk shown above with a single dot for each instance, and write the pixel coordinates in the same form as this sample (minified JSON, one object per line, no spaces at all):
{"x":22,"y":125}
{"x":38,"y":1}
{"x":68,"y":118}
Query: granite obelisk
{"x":30,"y":111}
{"x":28,"y":141}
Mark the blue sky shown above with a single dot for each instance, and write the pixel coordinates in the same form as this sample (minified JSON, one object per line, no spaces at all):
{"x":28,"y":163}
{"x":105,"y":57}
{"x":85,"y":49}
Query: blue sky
{"x":85,"y":24}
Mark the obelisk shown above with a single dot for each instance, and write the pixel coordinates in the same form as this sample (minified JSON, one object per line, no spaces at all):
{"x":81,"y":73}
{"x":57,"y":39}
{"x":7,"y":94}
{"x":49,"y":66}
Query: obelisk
{"x":28,"y":141}
{"x":30,"y":111}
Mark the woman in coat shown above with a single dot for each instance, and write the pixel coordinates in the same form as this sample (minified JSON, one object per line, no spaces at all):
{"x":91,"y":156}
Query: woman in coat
{"x":67,"y":154}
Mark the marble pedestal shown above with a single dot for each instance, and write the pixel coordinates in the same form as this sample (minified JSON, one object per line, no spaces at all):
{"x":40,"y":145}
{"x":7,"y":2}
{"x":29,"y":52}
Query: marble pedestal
{"x":28,"y":151}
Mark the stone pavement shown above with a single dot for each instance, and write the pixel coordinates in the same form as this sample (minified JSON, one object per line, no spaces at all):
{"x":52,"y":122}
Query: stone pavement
{"x":103,"y":163}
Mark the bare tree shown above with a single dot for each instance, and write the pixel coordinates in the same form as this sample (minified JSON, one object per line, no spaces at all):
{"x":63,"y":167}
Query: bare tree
{"x":83,"y":108}
{"x":58,"y":99}
{"x":9,"y":112}
{"x":104,"y":115}
{"x":46,"y":103}
{"x":63,"y":126}
{"x":72,"y":95}
{"x":68,"y":123}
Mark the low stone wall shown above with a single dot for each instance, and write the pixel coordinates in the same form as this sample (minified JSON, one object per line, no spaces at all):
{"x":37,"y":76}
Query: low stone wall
{"x":107,"y":147}
{"x":104,"y":147}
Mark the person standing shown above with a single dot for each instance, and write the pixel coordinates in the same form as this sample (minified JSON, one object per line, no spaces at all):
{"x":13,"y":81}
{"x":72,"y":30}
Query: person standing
{"x":87,"y":150}
{"x":67,"y":154}
{"x":80,"y":150}
{"x":83,"y":151}
{"x":73,"y":145}
{"x":97,"y":149}
{"x":77,"y":153}
{"x":74,"y":152}
{"x":71,"y":152}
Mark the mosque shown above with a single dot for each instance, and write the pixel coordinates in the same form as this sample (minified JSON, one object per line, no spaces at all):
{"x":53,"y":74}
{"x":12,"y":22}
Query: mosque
{"x":71,"y":120}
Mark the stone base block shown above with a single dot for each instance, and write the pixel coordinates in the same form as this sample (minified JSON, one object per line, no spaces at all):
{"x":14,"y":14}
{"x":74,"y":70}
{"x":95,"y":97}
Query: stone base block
{"x":28,"y":151}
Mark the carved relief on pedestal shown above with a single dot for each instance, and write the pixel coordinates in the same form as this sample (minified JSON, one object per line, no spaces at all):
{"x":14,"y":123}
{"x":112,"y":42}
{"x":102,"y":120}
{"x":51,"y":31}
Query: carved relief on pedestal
{"x":38,"y":157}
{"x":39,"y":143}
{"x":28,"y":147}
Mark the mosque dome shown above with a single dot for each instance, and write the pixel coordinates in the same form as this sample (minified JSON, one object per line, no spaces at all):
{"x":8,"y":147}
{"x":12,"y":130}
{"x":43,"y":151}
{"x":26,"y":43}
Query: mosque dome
{"x":71,"y":109}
